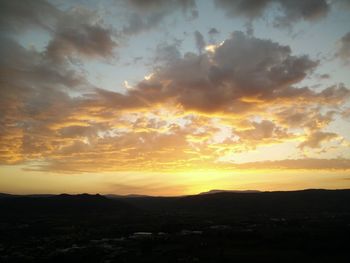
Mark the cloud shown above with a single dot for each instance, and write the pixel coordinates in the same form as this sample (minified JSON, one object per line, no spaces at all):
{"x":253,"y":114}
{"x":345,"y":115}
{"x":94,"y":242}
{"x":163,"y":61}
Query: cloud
{"x":166,"y":53}
{"x":26,"y":70}
{"x":34,"y":89}
{"x":346,"y":113}
{"x":290,"y":11}
{"x":213,"y":31}
{"x":78,"y":33}
{"x":344,"y":49}
{"x":262,"y":130}
{"x":155,"y":4}
{"x":137,"y":24}
{"x":200,"y":43}
{"x":309,"y":118}
{"x":16,"y":16}
{"x":36,"y":85}
{"x":314,"y":140}
{"x":241,"y":68}
{"x":250,"y":8}
{"x":342,"y":4}
{"x":296,"y":10}
{"x":146,"y":15}
{"x":190,"y":111}
{"x":308,"y":163}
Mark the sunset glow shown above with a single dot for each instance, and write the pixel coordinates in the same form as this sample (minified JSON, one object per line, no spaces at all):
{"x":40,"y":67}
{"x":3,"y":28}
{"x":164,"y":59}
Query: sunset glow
{"x":124,"y":97}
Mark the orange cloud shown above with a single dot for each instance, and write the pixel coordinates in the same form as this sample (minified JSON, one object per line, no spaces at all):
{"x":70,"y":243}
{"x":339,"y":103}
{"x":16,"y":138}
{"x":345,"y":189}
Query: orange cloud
{"x":189,"y":113}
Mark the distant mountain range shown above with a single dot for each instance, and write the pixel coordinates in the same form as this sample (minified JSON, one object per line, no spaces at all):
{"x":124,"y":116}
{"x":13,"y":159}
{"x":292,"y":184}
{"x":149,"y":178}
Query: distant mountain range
{"x":228,"y":191}
{"x":114,"y":196}
{"x":61,"y":204}
{"x":213,"y":202}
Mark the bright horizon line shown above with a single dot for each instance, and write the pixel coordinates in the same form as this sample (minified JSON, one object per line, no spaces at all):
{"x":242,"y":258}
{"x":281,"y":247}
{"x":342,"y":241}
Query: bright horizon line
{"x":199,"y":193}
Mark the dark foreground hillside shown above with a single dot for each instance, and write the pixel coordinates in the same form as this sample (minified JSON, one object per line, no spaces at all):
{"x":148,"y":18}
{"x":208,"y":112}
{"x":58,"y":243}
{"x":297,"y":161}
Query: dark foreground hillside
{"x":300,"y":226}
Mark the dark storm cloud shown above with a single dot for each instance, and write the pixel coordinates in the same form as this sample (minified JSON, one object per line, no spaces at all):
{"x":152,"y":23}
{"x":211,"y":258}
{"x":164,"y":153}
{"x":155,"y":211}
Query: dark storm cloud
{"x":291,"y":10}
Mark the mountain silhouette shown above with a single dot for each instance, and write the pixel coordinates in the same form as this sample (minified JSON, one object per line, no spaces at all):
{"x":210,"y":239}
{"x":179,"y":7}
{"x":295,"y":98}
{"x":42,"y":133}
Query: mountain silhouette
{"x":215,"y":191}
{"x":250,"y":203}
{"x":212,"y":202}
{"x":62,"y":204}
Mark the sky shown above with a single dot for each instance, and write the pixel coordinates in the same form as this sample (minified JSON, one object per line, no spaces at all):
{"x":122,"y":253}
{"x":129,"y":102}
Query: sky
{"x":174,"y":97}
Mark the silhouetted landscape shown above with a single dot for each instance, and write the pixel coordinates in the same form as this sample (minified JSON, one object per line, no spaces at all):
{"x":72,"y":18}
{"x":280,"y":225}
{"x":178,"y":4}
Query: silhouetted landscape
{"x":217,"y":226}
{"x":174,"y":131}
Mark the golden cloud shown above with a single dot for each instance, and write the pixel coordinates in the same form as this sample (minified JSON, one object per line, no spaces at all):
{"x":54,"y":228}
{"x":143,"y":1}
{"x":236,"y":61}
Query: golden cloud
{"x":188,"y":113}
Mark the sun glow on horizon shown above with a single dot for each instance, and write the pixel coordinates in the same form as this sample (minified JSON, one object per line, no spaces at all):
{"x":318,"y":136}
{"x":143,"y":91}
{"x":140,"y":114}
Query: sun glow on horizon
{"x":164,"y":101}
